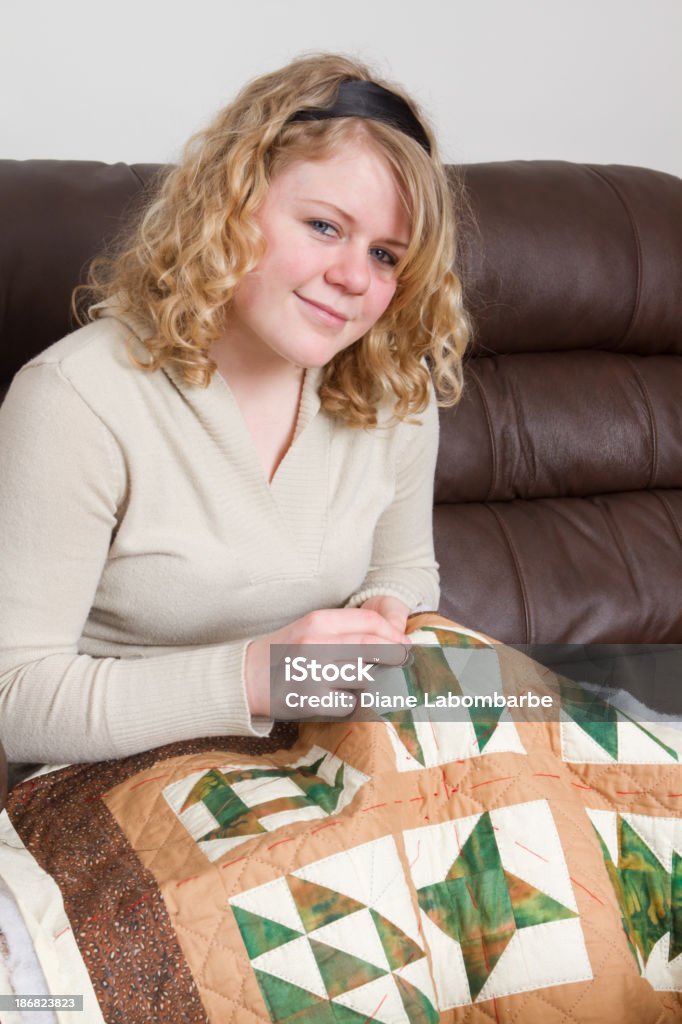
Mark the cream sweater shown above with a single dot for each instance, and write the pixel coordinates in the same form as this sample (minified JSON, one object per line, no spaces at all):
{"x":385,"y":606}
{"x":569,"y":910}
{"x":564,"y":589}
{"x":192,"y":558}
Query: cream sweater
{"x":141,"y":546}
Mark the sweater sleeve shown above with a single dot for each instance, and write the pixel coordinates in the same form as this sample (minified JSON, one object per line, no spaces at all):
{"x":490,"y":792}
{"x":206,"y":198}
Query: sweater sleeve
{"x":403,"y":562}
{"x":63,"y":482}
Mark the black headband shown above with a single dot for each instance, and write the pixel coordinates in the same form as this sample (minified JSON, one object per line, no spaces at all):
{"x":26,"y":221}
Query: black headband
{"x":359,"y":98}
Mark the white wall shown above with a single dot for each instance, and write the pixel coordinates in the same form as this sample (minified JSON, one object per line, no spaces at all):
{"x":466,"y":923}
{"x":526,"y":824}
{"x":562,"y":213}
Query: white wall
{"x":594,"y":80}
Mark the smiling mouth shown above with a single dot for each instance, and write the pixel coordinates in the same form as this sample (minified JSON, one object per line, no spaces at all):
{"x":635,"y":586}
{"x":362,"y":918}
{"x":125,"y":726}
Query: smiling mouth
{"x":326,"y":313}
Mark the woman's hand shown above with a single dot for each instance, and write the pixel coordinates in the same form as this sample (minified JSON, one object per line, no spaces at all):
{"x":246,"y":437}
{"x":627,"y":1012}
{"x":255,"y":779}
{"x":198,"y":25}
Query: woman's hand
{"x":392,"y":609}
{"x":364,"y":626}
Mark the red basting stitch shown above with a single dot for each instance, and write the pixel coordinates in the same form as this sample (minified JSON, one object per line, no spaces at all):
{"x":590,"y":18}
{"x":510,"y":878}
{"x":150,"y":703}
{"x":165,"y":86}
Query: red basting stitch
{"x":487,"y":732}
{"x":459,"y":845}
{"x":504,"y":778}
{"x":143,"y":900}
{"x":586,"y":890}
{"x":373,"y":1015}
{"x":101,"y":917}
{"x":539,"y":855}
{"x":290,"y":840}
{"x":485,"y":954}
{"x":152,"y":779}
{"x":341,"y":741}
{"x":108,"y":917}
{"x":231,"y":862}
{"x":29,"y":787}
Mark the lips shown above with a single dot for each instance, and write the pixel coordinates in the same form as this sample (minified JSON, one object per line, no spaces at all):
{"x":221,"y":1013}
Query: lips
{"x":327,"y":312}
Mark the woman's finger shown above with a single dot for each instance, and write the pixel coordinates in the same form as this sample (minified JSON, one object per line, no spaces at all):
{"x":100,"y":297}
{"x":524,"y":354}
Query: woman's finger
{"x":359,"y":621}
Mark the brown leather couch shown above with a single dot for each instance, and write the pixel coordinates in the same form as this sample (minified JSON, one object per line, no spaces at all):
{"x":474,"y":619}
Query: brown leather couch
{"x":558,"y":505}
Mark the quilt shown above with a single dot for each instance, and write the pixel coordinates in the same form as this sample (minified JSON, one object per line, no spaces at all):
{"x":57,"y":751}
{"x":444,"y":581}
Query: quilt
{"x":497,"y":868}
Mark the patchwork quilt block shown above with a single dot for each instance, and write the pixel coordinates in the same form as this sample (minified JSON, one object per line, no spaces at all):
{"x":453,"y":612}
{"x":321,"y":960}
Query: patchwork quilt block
{"x":338,"y":940}
{"x":494,"y":910}
{"x":228,"y":805}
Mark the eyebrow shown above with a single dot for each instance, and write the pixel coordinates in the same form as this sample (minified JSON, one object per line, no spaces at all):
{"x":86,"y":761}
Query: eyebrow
{"x":347,"y":216}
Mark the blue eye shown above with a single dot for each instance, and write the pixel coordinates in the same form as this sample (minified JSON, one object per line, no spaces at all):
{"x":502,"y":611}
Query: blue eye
{"x":384,"y":256}
{"x":322,"y":227}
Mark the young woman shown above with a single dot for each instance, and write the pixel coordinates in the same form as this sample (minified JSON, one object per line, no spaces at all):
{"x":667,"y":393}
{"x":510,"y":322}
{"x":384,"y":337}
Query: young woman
{"x":239,"y":448}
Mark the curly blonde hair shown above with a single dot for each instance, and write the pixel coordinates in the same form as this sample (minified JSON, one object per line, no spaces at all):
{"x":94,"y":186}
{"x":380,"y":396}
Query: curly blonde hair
{"x":181,"y":262}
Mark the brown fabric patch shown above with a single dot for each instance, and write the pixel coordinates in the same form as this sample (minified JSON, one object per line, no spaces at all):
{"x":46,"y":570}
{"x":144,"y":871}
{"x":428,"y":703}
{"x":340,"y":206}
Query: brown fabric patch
{"x":117,"y":914}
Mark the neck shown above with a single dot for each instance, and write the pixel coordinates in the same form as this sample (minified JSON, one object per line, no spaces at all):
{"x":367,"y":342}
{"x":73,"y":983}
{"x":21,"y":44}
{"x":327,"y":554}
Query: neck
{"x":252,"y":377}
{"x":244,"y":365}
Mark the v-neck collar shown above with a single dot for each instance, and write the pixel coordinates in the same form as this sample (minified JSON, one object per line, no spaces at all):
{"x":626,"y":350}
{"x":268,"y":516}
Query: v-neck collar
{"x":218,"y":394}
{"x":285,"y":519}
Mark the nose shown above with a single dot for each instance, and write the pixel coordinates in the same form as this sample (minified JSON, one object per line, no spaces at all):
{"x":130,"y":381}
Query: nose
{"x":350,"y":269}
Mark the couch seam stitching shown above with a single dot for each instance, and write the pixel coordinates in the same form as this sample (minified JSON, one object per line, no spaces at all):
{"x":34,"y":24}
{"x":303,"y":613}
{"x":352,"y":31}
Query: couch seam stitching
{"x":491,"y":435}
{"x":652,"y":421}
{"x":671,"y":515}
{"x":517,"y":565}
{"x":638,"y":248}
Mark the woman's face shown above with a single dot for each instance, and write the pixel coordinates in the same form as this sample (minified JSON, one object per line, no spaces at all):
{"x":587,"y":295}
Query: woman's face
{"x":334,"y":230}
